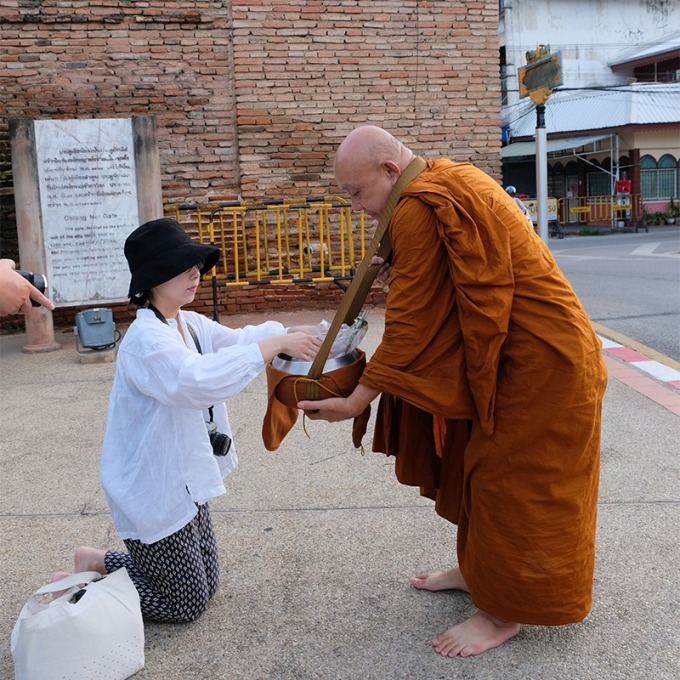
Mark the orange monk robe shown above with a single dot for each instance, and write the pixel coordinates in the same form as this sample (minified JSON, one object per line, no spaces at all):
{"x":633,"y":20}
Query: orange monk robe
{"x":482,"y":329}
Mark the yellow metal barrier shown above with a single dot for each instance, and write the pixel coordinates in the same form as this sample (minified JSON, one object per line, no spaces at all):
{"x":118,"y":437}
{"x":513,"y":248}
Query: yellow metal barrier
{"x":312,"y":240}
{"x":599,"y":209}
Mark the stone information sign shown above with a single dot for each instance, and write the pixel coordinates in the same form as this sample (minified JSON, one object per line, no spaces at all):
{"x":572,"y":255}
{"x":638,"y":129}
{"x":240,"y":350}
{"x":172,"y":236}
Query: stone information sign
{"x":88,"y":200}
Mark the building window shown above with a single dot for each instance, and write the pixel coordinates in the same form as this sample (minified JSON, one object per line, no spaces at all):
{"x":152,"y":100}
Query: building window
{"x":556,"y":181}
{"x":665,"y":71}
{"x":599,"y":183}
{"x":505,"y":76}
{"x":648,"y":177}
{"x":658,"y":180}
{"x":668,"y":176}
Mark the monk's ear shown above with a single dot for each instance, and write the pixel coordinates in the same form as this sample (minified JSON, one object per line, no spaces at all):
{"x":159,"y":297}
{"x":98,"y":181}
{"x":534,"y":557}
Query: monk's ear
{"x":392,"y":169}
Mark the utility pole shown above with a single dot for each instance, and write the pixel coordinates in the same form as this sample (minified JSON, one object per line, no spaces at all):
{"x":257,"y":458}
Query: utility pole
{"x":541,"y":172}
{"x":537,"y":79}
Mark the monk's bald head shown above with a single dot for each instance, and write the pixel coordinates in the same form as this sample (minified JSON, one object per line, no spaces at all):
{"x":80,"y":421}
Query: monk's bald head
{"x":367,"y":164}
{"x":369,"y":145}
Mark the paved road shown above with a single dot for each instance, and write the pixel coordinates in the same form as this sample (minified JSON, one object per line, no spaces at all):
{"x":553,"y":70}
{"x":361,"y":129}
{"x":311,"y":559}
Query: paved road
{"x":317,"y":542}
{"x":629,"y":282}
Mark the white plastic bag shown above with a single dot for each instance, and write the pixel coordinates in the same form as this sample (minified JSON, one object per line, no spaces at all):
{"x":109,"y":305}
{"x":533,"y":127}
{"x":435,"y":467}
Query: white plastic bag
{"x":348,"y":337}
{"x":94,"y":631}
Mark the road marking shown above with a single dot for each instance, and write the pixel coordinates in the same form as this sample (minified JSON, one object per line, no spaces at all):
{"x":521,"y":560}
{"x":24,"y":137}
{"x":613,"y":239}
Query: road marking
{"x":647,"y":250}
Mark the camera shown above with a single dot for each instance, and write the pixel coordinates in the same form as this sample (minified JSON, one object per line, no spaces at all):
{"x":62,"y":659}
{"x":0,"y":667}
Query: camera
{"x":37,"y":280}
{"x":220,"y":442}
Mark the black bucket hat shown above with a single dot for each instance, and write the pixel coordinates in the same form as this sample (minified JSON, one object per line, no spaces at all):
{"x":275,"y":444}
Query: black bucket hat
{"x":159,"y":250}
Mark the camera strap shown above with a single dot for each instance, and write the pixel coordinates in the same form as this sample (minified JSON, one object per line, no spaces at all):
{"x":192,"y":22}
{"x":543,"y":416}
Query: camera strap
{"x":192,"y":332}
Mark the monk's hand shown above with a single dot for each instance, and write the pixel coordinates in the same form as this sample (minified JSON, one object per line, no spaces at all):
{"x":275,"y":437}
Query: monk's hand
{"x":333,"y":410}
{"x":384,"y":275}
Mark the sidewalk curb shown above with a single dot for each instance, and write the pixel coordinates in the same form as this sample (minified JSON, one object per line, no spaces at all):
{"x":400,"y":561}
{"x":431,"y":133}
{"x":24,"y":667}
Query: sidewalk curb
{"x":615,"y":339}
{"x":654,"y":368}
{"x":640,"y":356}
{"x":647,"y":371}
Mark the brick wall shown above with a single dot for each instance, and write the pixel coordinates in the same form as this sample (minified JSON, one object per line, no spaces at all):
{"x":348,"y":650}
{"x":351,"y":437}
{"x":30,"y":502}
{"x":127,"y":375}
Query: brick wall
{"x":252,"y":97}
{"x":107,"y":58}
{"x":306,"y":73}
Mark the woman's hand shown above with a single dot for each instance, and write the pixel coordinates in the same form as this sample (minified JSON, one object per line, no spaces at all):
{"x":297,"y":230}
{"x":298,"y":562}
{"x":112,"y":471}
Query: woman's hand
{"x":309,"y":330}
{"x":298,"y":345}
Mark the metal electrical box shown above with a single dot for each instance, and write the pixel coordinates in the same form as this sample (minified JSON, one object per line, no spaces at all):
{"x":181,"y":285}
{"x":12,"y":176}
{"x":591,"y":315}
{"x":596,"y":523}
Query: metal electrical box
{"x":95,"y":330}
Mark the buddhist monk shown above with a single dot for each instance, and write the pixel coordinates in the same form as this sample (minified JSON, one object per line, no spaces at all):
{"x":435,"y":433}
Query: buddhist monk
{"x":491,"y":381}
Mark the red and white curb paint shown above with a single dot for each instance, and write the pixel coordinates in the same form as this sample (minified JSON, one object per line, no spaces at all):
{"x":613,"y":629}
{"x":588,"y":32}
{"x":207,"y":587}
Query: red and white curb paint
{"x":652,"y":367}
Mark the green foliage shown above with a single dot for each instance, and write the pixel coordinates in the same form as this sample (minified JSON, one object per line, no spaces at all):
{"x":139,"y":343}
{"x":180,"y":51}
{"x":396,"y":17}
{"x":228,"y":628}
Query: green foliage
{"x":655,"y":217}
{"x":9,"y":328}
{"x":589,"y":231}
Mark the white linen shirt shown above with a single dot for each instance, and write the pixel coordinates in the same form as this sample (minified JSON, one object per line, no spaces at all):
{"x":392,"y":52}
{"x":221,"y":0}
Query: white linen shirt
{"x":157,"y":461}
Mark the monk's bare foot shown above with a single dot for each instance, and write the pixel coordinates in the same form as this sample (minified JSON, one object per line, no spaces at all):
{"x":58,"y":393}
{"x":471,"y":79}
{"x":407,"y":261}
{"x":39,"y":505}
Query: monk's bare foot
{"x":90,"y":559}
{"x":451,"y":579}
{"x":475,"y":636}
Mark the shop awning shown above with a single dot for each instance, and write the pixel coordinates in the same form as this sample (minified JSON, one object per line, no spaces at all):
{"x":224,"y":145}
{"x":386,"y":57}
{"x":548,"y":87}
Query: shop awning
{"x":529,"y":148}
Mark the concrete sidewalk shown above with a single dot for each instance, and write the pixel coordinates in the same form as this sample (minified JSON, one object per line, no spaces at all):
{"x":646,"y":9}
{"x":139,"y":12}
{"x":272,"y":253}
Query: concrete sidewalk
{"x":318,"y":542}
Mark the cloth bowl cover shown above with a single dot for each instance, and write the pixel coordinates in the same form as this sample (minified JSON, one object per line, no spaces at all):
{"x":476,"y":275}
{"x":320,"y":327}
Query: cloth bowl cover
{"x":285,"y":390}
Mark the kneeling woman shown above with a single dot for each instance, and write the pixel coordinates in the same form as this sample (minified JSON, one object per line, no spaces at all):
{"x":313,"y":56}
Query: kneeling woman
{"x":159,"y":468}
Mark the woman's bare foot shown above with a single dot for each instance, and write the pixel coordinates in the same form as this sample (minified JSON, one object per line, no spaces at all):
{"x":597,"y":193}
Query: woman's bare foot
{"x":476,"y":635}
{"x":451,"y":579}
{"x":90,"y":559}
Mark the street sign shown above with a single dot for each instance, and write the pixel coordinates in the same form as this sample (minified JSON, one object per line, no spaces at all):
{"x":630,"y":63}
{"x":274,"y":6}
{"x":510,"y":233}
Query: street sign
{"x":539,"y":77}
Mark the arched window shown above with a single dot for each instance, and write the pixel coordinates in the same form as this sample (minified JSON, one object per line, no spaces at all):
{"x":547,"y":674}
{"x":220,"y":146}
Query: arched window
{"x":556,"y":183}
{"x":653,"y":183}
{"x":599,"y":183}
{"x":648,"y":177}
{"x":667,"y":177}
